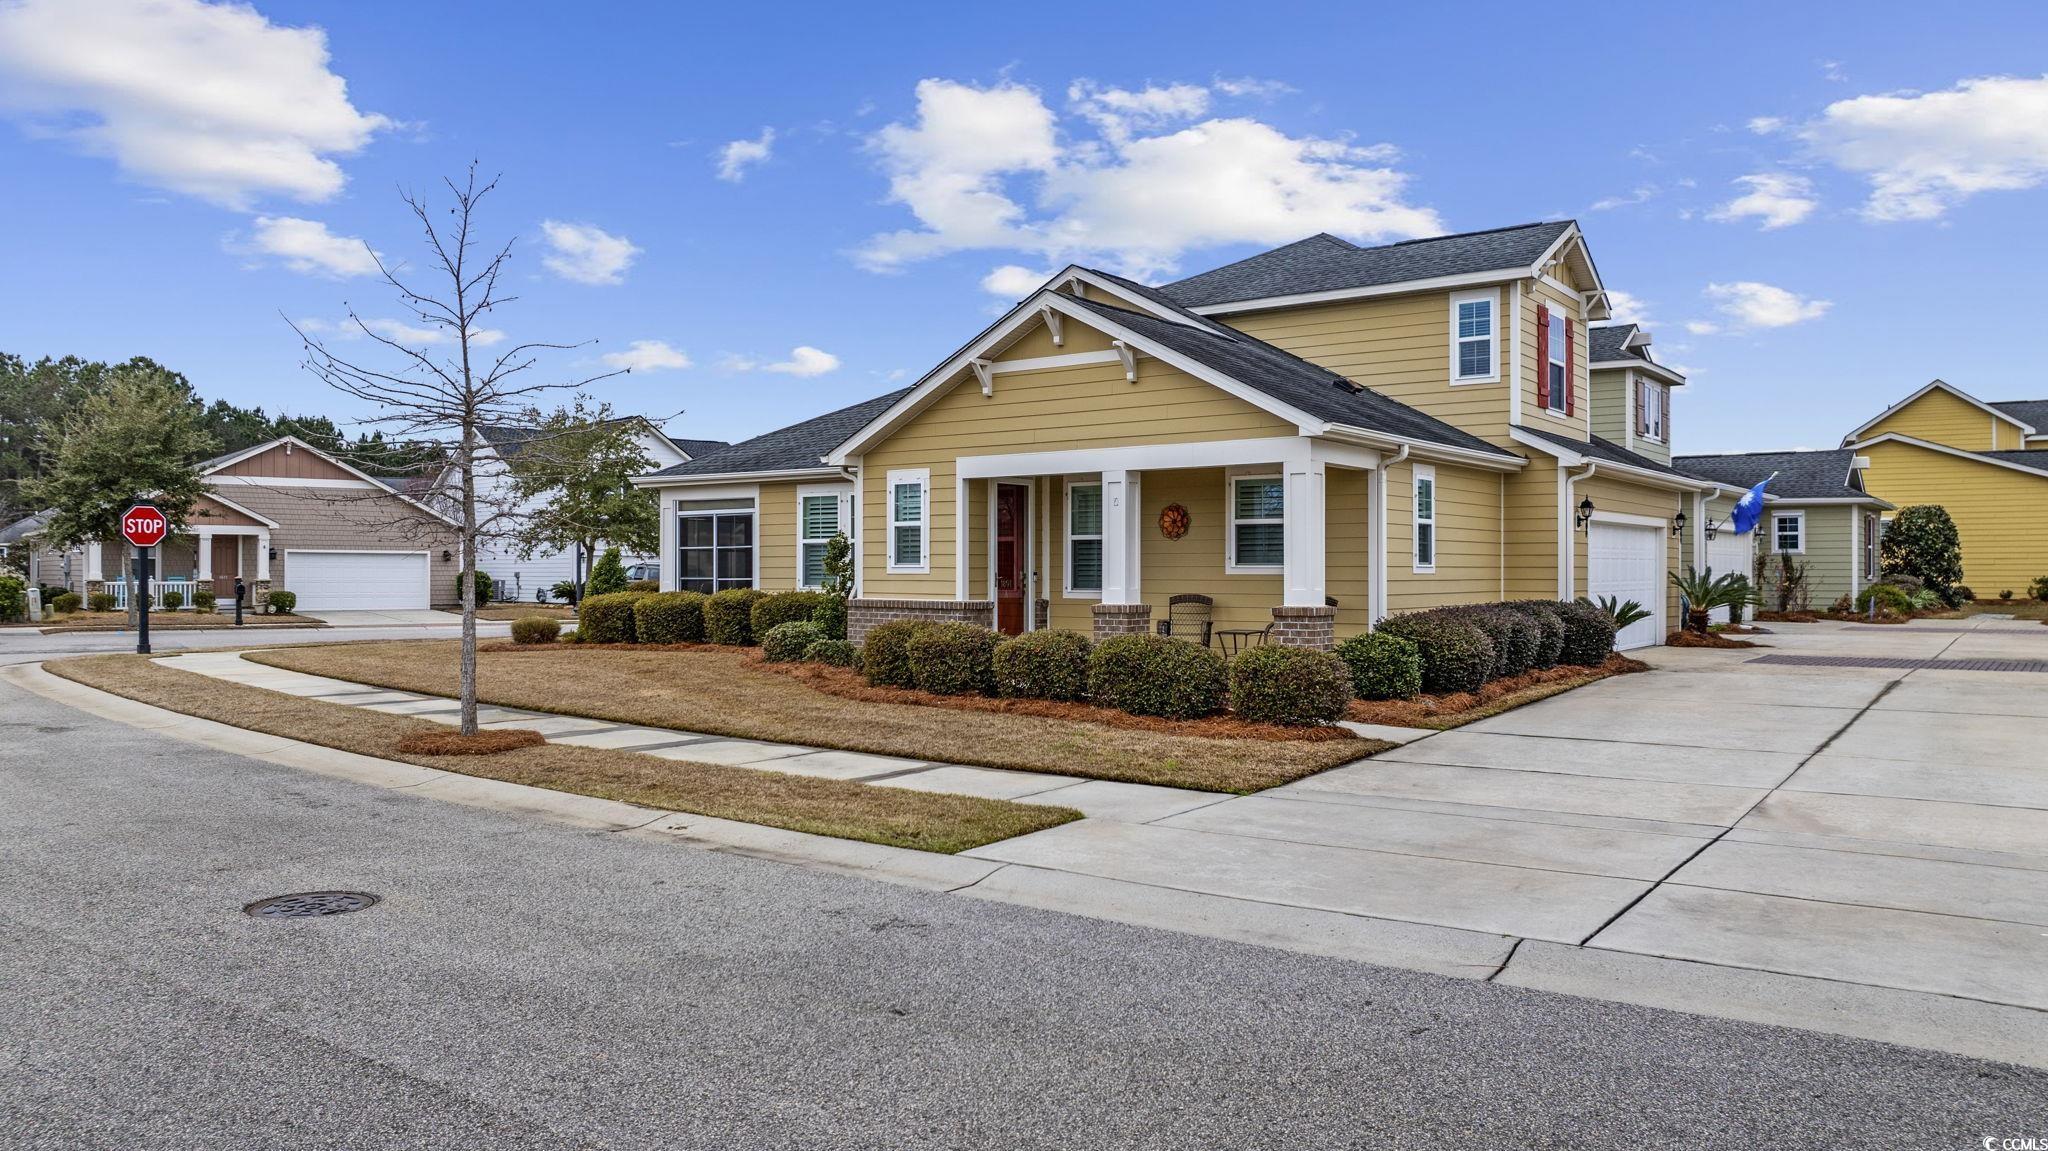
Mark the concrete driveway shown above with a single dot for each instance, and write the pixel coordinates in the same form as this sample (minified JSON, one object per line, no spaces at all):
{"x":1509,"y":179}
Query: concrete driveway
{"x":1813,"y":841}
{"x":385,"y":618}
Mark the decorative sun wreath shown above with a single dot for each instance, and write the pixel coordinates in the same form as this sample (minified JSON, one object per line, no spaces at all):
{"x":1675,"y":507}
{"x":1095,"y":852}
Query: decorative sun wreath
{"x":1173,"y":521}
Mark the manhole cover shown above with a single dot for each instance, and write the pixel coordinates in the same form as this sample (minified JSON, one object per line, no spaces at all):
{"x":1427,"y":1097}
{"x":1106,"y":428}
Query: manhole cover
{"x":310,"y":903}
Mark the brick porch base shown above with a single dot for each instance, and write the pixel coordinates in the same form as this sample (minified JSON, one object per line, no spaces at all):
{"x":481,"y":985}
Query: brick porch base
{"x":864,"y":614}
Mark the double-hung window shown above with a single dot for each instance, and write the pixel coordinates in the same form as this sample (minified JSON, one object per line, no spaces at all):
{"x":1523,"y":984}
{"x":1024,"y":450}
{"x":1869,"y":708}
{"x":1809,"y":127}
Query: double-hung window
{"x":1788,"y":532}
{"x":1425,"y":518}
{"x":1258,"y":524}
{"x":714,"y":544}
{"x":1084,"y":538}
{"x":817,"y":517}
{"x":910,"y":521}
{"x":1559,"y":354}
{"x":1474,"y":355}
{"x":1656,"y":397}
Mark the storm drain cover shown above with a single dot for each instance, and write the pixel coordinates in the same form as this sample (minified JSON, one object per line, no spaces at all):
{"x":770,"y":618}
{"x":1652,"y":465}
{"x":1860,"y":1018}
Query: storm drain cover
{"x":307,"y":904}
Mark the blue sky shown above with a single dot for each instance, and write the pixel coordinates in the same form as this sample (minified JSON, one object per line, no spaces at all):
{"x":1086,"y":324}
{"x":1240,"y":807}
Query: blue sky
{"x":1817,"y":210}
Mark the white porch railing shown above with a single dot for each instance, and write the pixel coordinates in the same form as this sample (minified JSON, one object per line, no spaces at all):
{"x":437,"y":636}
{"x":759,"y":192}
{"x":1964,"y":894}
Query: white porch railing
{"x":157,"y":588}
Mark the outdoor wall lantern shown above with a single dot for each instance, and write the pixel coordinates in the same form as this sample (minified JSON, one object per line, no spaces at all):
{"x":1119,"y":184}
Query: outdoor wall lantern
{"x":446,"y":555}
{"x":273,"y":553}
{"x":1713,"y":529}
{"x":1678,"y":525}
{"x":1585,"y":513}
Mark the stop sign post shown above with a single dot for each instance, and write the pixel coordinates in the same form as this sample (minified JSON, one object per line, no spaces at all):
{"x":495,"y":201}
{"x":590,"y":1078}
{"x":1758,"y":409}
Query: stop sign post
{"x":143,"y":525}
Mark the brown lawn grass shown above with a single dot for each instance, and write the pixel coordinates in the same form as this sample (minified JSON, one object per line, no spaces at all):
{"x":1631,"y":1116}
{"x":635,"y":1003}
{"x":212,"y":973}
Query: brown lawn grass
{"x":2016,"y":606}
{"x":1444,"y":712}
{"x":898,"y":817}
{"x":720,"y":691}
{"x":167,"y":621}
{"x":506,"y":612}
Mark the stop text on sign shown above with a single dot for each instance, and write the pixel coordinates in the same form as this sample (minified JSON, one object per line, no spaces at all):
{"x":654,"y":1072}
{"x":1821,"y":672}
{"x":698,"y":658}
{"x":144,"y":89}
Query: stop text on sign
{"x":144,"y":526}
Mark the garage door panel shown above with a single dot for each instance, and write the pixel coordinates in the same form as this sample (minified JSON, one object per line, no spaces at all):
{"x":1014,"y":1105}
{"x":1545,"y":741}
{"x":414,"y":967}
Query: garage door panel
{"x":1627,"y":562}
{"x":358,"y":581}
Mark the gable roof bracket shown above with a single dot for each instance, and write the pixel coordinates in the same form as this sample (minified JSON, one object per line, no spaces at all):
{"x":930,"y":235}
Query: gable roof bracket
{"x":1052,"y":324}
{"x":984,"y":370}
{"x":1129,"y":356}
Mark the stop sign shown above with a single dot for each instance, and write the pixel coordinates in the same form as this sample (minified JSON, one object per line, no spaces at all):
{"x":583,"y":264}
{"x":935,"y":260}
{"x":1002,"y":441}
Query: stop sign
{"x":144,"y":526}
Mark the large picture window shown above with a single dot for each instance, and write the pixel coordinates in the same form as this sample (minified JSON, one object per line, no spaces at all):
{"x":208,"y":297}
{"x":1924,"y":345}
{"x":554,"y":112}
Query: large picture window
{"x":1084,"y":538}
{"x":1258,"y":523}
{"x":714,"y":545}
{"x":817,"y":522}
{"x":1473,"y":345}
{"x":910,"y":521}
{"x":1425,"y":518}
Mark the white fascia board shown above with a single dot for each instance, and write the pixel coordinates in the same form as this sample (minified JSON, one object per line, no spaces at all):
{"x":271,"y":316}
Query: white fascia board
{"x":1951,"y":389}
{"x":1570,"y":458}
{"x":1137,"y":301}
{"x":1403,"y":287}
{"x":232,"y":506}
{"x":1573,"y":235}
{"x":1894,"y":437}
{"x":1427,"y":449}
{"x":654,"y":482}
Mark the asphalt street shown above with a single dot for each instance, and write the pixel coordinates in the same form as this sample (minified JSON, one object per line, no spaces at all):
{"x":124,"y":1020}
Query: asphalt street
{"x":20,"y":645}
{"x":524,"y":984}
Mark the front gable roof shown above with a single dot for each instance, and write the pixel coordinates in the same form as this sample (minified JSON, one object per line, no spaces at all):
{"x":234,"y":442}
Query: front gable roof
{"x":222,"y":462}
{"x":1595,"y":450}
{"x":508,"y":440}
{"x":1326,"y":267}
{"x":1823,"y":475}
{"x":1625,"y":346}
{"x":2032,"y":461}
{"x":1943,"y":386}
{"x":797,"y":448}
{"x":2031,"y":414}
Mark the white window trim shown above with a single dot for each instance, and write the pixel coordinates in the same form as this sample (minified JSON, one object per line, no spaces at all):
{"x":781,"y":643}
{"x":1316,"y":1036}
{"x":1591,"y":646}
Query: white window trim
{"x":1554,"y":350}
{"x":922,"y":477}
{"x":1800,"y":518}
{"x":841,"y":494}
{"x":673,"y":562}
{"x":1230,"y":564}
{"x":1660,"y":397}
{"x":1436,"y":542}
{"x":1492,"y":297}
{"x":1067,"y":547}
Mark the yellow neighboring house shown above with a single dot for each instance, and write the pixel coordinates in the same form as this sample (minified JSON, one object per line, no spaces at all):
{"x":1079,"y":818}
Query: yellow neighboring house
{"x":1987,"y":463}
{"x":1313,"y":438}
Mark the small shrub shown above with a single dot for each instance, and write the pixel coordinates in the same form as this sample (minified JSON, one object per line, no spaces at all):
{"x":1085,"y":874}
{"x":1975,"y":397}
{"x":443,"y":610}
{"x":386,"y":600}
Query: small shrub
{"x":536,"y":629}
{"x":1927,"y":599}
{"x":173,"y":600}
{"x":1155,"y":675}
{"x":1551,"y":644}
{"x":1588,"y":635}
{"x":1960,"y":595}
{"x":728,"y":616}
{"x":564,"y":590}
{"x":831,"y":616}
{"x":1296,"y":686}
{"x":1383,"y":666}
{"x":2005,"y":594}
{"x":2039,"y":588}
{"x":670,"y":617}
{"x":1843,"y":605}
{"x":98,"y":601}
{"x":954,"y":659}
{"x":1456,"y":655}
{"x":783,"y":607}
{"x":1514,"y":636}
{"x":644,"y":586}
{"x":836,"y":652}
{"x":1043,"y":665}
{"x":484,"y":588}
{"x":1890,"y":599}
{"x":13,"y":597}
{"x":68,"y":602}
{"x":607,"y":575}
{"x":1921,"y":541}
{"x":609,"y":618}
{"x":885,"y":657}
{"x":204,"y":600}
{"x":283,"y":602}
{"x":787,"y":642}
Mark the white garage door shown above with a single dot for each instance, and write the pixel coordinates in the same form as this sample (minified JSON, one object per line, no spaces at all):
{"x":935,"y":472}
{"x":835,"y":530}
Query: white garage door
{"x":1728,"y":552}
{"x":357,"y":581}
{"x":1627,"y":562}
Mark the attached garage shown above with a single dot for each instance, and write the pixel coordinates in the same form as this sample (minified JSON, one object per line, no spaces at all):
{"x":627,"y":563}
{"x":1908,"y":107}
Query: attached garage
{"x":1626,"y":561}
{"x":358,"y":580}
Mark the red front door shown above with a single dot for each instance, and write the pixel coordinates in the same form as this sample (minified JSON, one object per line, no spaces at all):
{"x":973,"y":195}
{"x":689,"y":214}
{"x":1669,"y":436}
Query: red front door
{"x":1012,"y":552}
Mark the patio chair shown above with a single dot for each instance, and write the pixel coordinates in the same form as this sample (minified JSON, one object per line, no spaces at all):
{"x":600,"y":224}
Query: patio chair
{"x":1188,"y":617}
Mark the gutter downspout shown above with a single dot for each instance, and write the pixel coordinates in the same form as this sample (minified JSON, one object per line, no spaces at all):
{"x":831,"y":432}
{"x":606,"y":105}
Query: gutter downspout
{"x":852,"y":475}
{"x":1568,"y":551}
{"x":1376,"y":591}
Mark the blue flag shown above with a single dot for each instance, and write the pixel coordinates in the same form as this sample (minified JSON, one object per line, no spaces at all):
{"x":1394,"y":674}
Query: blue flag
{"x":1750,"y":508}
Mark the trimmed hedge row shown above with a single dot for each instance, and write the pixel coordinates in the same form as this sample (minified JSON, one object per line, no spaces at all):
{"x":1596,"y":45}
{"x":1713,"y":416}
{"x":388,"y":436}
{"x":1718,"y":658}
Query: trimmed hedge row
{"x":609,"y":618}
{"x":1462,"y":646}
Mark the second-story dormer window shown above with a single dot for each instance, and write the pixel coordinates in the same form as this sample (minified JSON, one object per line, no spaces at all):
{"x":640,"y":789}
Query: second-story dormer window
{"x":1558,"y":396}
{"x":1652,"y":403}
{"x":1472,"y":337}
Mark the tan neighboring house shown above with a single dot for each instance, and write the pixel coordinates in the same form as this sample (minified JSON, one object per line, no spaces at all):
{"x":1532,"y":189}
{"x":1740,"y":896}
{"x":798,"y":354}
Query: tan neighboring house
{"x":1315,"y":438}
{"x":284,"y":514}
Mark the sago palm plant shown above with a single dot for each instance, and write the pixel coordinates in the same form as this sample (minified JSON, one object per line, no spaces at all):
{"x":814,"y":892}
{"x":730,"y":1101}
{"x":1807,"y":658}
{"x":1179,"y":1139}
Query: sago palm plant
{"x":1704,"y":591}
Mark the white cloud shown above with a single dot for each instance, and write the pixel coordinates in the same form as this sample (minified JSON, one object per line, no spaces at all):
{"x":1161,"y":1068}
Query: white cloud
{"x":208,"y":100}
{"x":1777,"y":199}
{"x":428,"y":335}
{"x":1924,"y":152}
{"x":647,"y":356}
{"x":738,"y":155}
{"x":1832,"y":70}
{"x":1013,"y":281}
{"x":1757,"y":305}
{"x":1252,"y":87}
{"x":805,"y":361}
{"x":1627,"y":308}
{"x":307,"y":246}
{"x":988,"y":168}
{"x":1767,"y":125}
{"x":1636,"y":196}
{"x":1702,"y":327}
{"x":586,"y":253}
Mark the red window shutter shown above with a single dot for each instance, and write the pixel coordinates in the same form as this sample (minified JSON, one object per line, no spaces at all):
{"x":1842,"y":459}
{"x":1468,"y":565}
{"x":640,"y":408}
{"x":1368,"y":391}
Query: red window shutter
{"x":1542,"y":355}
{"x":1571,"y":391}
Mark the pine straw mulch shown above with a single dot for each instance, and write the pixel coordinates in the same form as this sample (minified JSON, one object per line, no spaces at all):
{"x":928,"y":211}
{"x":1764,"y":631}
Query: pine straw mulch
{"x":1443,"y":712}
{"x":482,"y":743}
{"x":1711,"y":639}
{"x":1787,"y":617}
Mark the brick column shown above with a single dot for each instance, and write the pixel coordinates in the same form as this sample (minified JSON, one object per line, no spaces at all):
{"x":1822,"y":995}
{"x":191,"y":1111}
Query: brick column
{"x":863,"y":614}
{"x":1314,"y":627}
{"x":1112,"y":619}
{"x":1041,"y":616}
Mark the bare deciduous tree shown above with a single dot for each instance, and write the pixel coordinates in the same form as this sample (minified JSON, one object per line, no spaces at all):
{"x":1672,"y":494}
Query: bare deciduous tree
{"x":444,"y":388}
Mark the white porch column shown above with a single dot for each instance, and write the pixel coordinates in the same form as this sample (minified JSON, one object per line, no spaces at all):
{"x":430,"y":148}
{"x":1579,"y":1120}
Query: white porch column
{"x":1119,"y":537}
{"x":205,"y":554}
{"x":262,"y":555}
{"x":1376,"y":546}
{"x":95,"y":560}
{"x":1305,"y":553}
{"x":960,"y":525}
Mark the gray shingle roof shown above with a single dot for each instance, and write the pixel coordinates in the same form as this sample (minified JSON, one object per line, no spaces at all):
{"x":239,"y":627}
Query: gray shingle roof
{"x":1324,"y":263}
{"x":508,"y":439}
{"x":2031,"y":458}
{"x":788,"y":449}
{"x":695,"y":448}
{"x":1605,"y":450}
{"x":1608,"y":343}
{"x":1292,"y":380}
{"x":23,"y":528}
{"x":2033,"y":413}
{"x":1801,"y":475}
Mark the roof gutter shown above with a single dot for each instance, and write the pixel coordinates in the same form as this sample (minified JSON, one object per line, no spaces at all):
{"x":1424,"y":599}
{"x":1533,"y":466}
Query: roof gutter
{"x":1503,"y":462}
{"x":656,"y":480}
